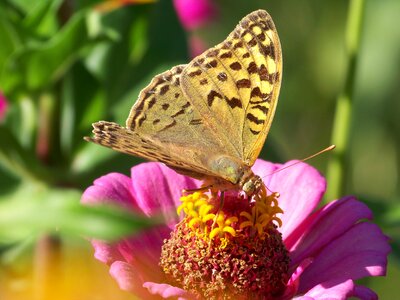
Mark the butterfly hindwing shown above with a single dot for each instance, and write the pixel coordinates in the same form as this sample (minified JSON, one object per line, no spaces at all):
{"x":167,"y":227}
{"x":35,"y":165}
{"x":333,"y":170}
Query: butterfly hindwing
{"x":116,"y":137}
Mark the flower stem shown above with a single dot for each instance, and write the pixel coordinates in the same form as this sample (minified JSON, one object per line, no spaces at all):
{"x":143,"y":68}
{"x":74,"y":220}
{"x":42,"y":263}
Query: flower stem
{"x":47,"y":267}
{"x":337,"y":167}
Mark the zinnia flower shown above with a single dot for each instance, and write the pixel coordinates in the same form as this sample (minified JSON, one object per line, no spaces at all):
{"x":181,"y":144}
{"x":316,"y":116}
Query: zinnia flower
{"x":314,"y":254}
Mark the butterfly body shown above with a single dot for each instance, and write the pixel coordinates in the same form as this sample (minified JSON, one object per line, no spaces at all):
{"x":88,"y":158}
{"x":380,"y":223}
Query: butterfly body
{"x":208,"y":119}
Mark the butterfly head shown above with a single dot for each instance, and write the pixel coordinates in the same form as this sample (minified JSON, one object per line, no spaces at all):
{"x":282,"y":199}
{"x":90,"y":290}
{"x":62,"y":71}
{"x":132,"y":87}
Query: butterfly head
{"x":252,"y":185}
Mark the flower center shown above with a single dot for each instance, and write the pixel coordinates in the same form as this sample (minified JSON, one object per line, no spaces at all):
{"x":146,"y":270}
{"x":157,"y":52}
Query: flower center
{"x":227,"y":247}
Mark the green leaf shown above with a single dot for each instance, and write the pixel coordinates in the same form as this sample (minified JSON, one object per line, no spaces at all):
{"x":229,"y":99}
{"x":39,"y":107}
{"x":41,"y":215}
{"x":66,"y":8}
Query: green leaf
{"x":9,"y":41}
{"x":81,"y":105}
{"x":33,"y":211}
{"x":44,"y":63}
{"x":41,"y":19}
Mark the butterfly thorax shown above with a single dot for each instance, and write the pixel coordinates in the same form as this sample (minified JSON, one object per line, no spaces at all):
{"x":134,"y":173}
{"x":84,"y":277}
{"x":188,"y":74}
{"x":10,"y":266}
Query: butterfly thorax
{"x":236,"y":175}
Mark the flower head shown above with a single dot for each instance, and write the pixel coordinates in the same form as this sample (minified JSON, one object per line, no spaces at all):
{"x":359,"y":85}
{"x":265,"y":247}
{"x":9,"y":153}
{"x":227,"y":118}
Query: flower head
{"x":237,"y":250}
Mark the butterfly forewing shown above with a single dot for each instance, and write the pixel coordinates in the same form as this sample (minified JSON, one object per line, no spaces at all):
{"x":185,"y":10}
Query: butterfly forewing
{"x":235,"y":85}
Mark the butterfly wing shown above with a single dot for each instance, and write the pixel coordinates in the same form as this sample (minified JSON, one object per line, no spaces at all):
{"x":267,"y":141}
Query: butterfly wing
{"x":164,"y":114}
{"x":235,"y":85}
{"x":116,"y":137}
{"x":190,"y":116}
{"x":164,"y":126}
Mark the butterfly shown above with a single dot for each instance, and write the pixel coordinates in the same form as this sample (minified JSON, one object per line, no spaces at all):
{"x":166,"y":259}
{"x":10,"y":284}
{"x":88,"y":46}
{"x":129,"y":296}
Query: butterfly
{"x":208,"y":119}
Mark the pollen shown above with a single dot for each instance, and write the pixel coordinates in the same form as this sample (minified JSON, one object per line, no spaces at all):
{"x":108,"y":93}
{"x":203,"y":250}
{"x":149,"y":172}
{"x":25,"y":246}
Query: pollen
{"x":227,"y":247}
{"x":208,"y":217}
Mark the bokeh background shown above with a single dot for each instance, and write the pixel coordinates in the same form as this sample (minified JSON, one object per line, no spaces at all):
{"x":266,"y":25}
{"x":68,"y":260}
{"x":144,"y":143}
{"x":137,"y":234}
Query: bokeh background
{"x":65,"y":64}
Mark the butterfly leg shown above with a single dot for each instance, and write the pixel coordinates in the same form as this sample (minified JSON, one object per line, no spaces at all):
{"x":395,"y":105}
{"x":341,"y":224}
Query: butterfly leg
{"x":221,"y":205}
{"x":221,"y":201}
{"x":200,"y":189}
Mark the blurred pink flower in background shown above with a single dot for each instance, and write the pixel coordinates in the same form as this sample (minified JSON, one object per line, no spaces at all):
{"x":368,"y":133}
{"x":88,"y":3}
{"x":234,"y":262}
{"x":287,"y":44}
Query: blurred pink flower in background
{"x":196,"y":45}
{"x":195,"y":13}
{"x":192,"y":14}
{"x":3,"y":106}
{"x":329,"y":248}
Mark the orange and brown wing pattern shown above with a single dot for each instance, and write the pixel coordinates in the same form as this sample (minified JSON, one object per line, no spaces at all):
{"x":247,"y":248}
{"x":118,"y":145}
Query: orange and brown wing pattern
{"x":235,"y":85}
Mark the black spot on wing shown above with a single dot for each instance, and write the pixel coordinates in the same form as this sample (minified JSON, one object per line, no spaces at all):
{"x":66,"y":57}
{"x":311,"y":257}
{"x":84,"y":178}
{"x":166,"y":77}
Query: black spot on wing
{"x":233,"y":102}
{"x":254,"y":119}
{"x":164,"y":89}
{"x":235,"y":66}
{"x":211,"y":96}
{"x":243,"y":83}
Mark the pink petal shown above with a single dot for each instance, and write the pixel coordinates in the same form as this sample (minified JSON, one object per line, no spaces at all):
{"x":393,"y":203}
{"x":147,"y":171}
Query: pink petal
{"x":301,"y":188}
{"x":111,"y":188}
{"x":158,"y":189}
{"x":143,"y":251}
{"x":361,"y":251}
{"x":167,"y":291}
{"x":330,"y":290}
{"x":106,"y":253}
{"x":364,"y":293}
{"x":264,"y":169}
{"x":323,"y":226}
{"x":154,"y":189}
{"x":195,"y":13}
{"x":293,"y":284}
{"x":128,"y":279}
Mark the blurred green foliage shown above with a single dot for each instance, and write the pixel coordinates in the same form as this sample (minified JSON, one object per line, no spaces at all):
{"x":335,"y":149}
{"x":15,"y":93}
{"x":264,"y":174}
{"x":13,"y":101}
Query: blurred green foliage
{"x":64,"y":65}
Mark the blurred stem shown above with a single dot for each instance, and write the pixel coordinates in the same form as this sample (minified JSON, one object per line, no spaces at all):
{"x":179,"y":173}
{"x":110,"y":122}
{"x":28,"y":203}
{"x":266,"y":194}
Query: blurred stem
{"x":337,"y":167}
{"x":47,"y":146}
{"x":28,"y":125}
{"x":47,"y":267}
{"x":46,"y":107}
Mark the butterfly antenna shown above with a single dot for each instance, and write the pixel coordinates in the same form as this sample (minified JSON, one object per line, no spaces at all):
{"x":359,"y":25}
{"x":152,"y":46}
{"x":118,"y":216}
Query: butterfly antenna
{"x":331,"y":147}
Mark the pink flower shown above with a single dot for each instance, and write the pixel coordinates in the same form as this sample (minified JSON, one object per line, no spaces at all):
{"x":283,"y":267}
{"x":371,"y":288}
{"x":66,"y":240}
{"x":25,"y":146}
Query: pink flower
{"x":196,"y":45}
{"x":194,"y":13}
{"x":3,"y":106}
{"x":329,"y":248}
